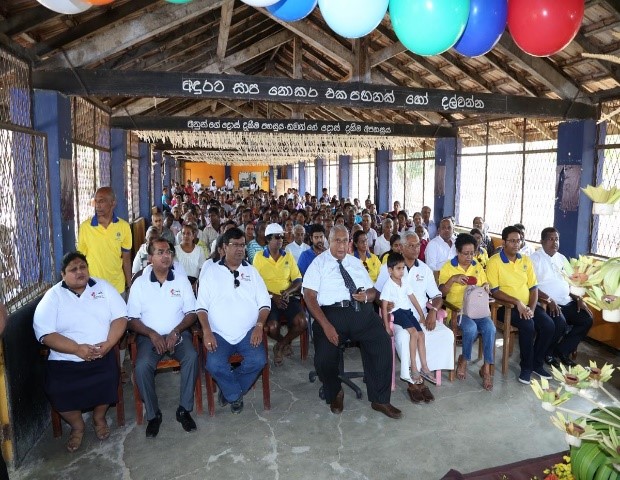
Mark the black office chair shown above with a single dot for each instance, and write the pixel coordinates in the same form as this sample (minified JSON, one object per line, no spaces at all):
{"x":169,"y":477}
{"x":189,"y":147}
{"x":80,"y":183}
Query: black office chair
{"x":345,"y":377}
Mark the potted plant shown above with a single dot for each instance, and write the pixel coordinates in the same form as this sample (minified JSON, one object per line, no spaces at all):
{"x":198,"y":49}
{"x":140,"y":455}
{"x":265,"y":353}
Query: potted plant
{"x":604,"y":292}
{"x":578,"y":271}
{"x":604,"y":199}
{"x":593,"y":437}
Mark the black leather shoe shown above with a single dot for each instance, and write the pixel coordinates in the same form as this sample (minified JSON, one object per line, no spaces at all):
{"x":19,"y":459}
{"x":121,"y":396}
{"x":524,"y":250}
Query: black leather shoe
{"x":221,"y":399}
{"x":185,"y":419}
{"x":337,"y":403}
{"x":552,"y":361}
{"x":566,"y":361}
{"x":152,"y":428}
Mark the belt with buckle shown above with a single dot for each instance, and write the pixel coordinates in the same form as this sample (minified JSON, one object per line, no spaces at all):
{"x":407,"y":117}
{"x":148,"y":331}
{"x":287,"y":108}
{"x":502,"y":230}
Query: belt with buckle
{"x":342,"y":304}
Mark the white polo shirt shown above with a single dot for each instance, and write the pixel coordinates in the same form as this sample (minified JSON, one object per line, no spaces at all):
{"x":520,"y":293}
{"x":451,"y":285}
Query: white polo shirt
{"x":84,"y":318}
{"x":323,"y":276}
{"x":439,"y":252}
{"x":549,"y":275}
{"x":381,"y":245}
{"x":297,"y":250}
{"x":399,"y":294}
{"x":371,"y":235}
{"x":232,"y":311}
{"x":160,"y":307}
{"x":419,"y":280}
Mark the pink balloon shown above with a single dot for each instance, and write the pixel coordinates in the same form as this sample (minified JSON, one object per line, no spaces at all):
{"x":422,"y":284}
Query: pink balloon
{"x":544,"y":27}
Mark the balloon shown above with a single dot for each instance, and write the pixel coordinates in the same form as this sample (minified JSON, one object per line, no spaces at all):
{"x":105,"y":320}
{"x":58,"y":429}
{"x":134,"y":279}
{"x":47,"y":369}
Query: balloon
{"x":353,"y":18}
{"x":99,"y":2}
{"x":259,"y":3}
{"x":486,"y":23}
{"x":429,"y":27}
{"x":544,"y":27}
{"x":178,"y":2}
{"x":67,"y":7}
{"x":292,"y":10}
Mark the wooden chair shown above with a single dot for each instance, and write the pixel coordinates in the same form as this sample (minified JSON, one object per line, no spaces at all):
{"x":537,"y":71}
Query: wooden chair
{"x":508,"y":331}
{"x":454,"y":313}
{"x":237,"y":358}
{"x":120,"y":405}
{"x":164,"y":364}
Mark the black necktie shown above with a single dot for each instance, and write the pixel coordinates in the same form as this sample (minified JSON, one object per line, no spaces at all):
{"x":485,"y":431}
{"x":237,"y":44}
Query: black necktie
{"x":348,"y":281}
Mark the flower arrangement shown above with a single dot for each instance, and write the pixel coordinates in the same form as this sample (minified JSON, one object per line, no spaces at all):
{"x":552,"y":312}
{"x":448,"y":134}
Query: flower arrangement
{"x":578,"y":273}
{"x":603,"y":293}
{"x":602,"y":195}
{"x":593,"y":437}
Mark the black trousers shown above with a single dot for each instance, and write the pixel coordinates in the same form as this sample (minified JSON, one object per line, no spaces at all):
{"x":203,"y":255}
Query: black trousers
{"x":581,"y":321}
{"x":366,"y":328}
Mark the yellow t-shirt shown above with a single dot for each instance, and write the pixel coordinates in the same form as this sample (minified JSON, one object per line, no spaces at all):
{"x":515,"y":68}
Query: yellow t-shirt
{"x":457,"y":291}
{"x":104,"y":249}
{"x":278,"y":275}
{"x":482,"y":257}
{"x":372,"y":265}
{"x":513,"y":278}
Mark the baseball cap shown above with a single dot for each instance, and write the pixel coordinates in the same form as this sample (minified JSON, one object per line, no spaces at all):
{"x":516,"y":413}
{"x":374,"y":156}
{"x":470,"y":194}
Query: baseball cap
{"x":273,"y":229}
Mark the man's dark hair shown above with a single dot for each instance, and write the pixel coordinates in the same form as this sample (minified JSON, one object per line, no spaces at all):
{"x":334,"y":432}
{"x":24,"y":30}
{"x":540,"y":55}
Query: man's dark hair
{"x":544,"y":235}
{"x":357,"y":235}
{"x":232,"y":234}
{"x":520,"y":226}
{"x":150,"y":249}
{"x":394,"y":238}
{"x":394,"y":259}
{"x":69,"y":257}
{"x":316,"y":228}
{"x":215,"y":210}
{"x":463,"y":239}
{"x":508,"y":230}
{"x":473,"y":231}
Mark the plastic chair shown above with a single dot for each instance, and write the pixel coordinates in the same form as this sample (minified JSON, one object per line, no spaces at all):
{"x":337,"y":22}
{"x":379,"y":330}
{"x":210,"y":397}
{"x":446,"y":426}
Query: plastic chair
{"x":164,"y":364}
{"x":237,"y":358}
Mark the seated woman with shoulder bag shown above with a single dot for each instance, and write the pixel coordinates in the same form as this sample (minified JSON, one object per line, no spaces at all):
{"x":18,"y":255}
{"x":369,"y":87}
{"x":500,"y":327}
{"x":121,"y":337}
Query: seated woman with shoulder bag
{"x":463,"y":281}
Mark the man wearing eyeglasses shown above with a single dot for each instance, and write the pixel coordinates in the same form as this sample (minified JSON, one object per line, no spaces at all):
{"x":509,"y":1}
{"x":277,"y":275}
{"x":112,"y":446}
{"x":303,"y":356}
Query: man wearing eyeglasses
{"x":161,"y":310}
{"x":281,"y":274}
{"x":232,"y":307}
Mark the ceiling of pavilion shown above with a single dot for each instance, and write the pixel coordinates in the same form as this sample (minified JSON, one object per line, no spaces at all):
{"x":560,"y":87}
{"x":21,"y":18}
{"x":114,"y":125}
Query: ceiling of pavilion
{"x":228,"y":37}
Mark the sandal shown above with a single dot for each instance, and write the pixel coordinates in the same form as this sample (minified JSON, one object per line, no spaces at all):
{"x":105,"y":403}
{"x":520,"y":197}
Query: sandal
{"x":487,"y":379}
{"x":461,"y":368}
{"x":75,"y":440}
{"x":278,"y":359}
{"x":101,"y":431}
{"x":416,"y":378}
{"x":429,"y":377}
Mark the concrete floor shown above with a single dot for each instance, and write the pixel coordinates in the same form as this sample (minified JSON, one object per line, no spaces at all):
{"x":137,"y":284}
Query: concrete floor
{"x":465,"y":428}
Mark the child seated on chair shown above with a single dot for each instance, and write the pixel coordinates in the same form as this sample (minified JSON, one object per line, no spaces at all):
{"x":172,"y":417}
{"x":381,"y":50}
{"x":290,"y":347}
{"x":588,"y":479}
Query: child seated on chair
{"x":397,"y":293}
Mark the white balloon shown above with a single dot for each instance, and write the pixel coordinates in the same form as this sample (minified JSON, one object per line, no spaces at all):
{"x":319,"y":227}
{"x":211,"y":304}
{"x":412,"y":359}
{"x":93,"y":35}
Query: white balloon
{"x":67,"y":7}
{"x":353,"y":18}
{"x":260,"y":3}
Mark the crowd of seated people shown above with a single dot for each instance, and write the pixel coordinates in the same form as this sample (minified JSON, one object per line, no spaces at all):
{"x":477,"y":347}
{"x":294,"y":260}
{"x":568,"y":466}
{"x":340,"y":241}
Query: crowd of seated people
{"x":261,"y":246}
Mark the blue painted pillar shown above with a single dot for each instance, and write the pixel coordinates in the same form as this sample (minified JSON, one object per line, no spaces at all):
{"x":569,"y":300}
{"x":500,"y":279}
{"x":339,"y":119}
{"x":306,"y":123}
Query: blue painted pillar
{"x":273,"y":175}
{"x":157,"y":186}
{"x":144,"y":179}
{"x":344,"y":176}
{"x":446,"y":150}
{"x":384,"y":181}
{"x":52,"y":115}
{"x":576,"y":168}
{"x":228,"y":173}
{"x":320,"y":175}
{"x":118,"y":164}
{"x":168,"y":165}
{"x":302,"y":178}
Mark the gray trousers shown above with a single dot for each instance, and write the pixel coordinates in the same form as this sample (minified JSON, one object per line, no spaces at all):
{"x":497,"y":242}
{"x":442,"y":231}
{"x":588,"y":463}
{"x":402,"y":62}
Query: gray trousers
{"x":146,"y":363}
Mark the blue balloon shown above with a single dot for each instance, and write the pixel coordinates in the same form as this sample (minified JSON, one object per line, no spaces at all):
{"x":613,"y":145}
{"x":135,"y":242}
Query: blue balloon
{"x":353,"y":18}
{"x":292,"y":10}
{"x":486,"y":23}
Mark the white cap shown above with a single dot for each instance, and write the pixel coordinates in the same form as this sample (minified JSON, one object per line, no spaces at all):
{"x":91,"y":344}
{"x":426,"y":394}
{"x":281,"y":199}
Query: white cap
{"x":273,"y":229}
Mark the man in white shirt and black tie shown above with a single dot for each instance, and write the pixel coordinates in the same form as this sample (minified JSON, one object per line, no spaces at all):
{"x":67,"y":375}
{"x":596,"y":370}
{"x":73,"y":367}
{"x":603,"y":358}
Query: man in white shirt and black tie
{"x":339,"y":293}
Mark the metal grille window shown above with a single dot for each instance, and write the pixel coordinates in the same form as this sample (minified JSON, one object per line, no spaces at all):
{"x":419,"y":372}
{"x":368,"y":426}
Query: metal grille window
{"x":26,"y":255}
{"x":605,"y":235}
{"x":330,"y":176}
{"x":310,"y":178}
{"x":133,"y":177}
{"x":363,"y":177}
{"x":413,"y":177}
{"x":506,"y":174}
{"x":91,"y":155}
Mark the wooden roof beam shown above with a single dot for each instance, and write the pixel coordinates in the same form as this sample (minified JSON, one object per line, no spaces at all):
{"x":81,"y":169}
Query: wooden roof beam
{"x":124,"y":35}
{"x":225,"y":20}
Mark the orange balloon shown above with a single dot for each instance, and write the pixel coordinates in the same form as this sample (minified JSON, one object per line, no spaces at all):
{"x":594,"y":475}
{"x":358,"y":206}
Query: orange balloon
{"x":98,"y":2}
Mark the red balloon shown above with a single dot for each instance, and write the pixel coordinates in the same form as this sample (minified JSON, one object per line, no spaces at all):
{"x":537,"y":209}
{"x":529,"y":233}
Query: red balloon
{"x":544,"y":27}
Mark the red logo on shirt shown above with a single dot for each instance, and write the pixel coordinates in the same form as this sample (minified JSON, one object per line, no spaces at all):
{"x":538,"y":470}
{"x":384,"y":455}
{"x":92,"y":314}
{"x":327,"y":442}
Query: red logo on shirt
{"x":175,"y":292}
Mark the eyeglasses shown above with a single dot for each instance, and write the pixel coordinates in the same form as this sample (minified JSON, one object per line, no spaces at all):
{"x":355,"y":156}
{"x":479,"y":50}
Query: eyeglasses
{"x":161,"y":253}
{"x":236,"y":245}
{"x":235,"y":274}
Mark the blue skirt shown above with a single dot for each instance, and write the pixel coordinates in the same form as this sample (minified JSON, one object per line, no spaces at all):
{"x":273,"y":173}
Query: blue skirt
{"x":405,"y":319}
{"x":82,"y":386}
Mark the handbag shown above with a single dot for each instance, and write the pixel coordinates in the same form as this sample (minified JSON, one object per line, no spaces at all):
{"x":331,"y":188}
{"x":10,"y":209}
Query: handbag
{"x":476,"y":302}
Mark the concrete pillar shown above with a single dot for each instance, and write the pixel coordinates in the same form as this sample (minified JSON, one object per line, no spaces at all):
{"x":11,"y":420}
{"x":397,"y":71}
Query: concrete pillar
{"x":344,"y":176}
{"x":302,"y":178}
{"x":118,"y":165}
{"x":144,"y":180}
{"x":384,"y":181}
{"x":157,"y":186}
{"x":446,"y":150}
